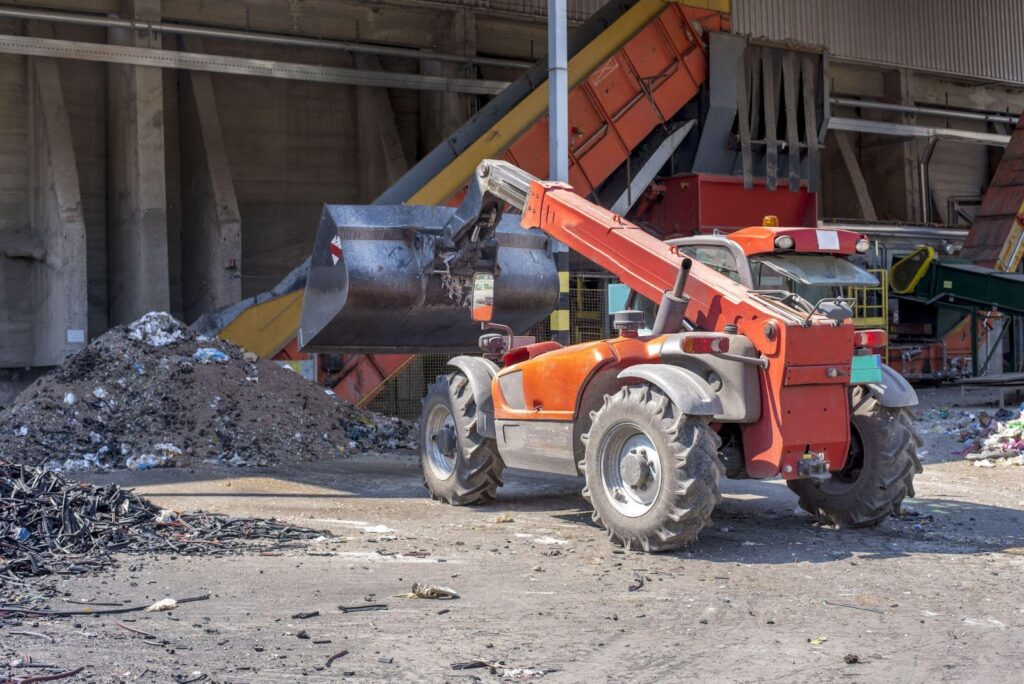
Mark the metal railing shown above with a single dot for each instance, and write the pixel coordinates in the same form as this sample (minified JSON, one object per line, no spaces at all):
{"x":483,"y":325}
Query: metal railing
{"x":871,"y":304}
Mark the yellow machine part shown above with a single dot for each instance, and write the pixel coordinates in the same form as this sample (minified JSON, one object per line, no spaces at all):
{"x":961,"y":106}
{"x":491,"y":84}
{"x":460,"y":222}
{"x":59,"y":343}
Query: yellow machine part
{"x":267,"y":327}
{"x":908,"y":271}
{"x":1013,"y":249}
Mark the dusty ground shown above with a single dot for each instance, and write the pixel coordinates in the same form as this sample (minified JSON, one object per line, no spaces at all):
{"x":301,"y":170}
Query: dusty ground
{"x":764,"y":595}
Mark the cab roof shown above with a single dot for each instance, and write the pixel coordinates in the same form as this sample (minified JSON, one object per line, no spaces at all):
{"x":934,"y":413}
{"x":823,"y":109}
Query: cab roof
{"x":761,"y":240}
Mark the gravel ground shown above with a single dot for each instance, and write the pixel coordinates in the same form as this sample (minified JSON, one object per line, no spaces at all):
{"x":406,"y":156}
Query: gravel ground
{"x":764,"y":595}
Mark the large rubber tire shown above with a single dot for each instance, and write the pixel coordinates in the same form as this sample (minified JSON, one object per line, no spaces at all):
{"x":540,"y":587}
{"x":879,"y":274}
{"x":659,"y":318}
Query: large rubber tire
{"x":476,"y":471}
{"x":879,"y":472}
{"x":686,"y":491}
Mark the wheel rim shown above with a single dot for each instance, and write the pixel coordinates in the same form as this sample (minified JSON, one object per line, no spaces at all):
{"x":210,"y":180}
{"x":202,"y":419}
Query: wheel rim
{"x":843,"y":480}
{"x":441,"y":462}
{"x":630,"y":470}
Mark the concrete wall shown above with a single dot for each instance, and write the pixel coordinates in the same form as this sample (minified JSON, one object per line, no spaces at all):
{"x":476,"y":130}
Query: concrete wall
{"x":233,"y":222}
{"x":291,"y":147}
{"x":890,"y":164}
{"x":167,"y":226}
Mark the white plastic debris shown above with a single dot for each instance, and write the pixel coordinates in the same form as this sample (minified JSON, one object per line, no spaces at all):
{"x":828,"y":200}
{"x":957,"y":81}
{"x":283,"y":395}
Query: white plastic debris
{"x":162,"y":454}
{"x":100,"y":393}
{"x":984,"y":463}
{"x":143,"y":462}
{"x":210,"y":355}
{"x":166,"y":515}
{"x":74,"y":465}
{"x":22,"y":431}
{"x":70,"y":398}
{"x":161,"y":605}
{"x":157,"y":329}
{"x":544,"y":539}
{"x":520,"y":674}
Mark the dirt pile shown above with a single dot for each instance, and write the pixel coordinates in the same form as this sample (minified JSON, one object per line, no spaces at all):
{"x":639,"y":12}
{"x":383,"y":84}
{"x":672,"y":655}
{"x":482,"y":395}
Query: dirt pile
{"x":155,"y":393}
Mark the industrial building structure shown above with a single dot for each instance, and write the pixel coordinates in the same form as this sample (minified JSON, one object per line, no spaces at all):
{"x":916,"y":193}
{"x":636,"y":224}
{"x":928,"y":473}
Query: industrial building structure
{"x":174,"y":155}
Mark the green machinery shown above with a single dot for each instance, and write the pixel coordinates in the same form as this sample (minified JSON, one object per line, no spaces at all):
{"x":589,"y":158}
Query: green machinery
{"x":958,"y":286}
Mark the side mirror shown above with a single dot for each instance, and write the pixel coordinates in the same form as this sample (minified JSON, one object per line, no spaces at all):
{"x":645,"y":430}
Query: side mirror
{"x":483,"y":297}
{"x":837,"y":311}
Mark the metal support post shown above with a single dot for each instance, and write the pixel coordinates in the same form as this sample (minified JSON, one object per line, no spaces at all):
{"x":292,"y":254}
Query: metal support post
{"x":558,"y":148}
{"x":924,"y":180}
{"x":974,"y":342}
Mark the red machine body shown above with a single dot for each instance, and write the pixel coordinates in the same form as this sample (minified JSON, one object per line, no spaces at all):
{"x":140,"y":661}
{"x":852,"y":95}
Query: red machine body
{"x":804,"y":402}
{"x":688,"y":204}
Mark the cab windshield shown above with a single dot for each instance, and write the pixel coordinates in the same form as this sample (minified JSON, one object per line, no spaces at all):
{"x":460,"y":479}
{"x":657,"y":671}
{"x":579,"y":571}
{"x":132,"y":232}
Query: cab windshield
{"x":812,"y":276}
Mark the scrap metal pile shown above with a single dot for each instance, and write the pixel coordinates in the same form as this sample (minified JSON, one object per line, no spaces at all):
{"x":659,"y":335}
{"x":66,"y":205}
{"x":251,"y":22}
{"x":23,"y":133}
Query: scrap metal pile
{"x":155,"y":393}
{"x":51,"y":525}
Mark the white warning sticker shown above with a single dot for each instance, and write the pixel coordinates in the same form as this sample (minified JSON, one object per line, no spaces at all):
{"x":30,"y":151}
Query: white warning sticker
{"x":336,"y":249}
{"x":827,"y":239}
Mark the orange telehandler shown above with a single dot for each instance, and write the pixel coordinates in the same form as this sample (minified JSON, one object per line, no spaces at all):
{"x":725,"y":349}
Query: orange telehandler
{"x":751,"y":366}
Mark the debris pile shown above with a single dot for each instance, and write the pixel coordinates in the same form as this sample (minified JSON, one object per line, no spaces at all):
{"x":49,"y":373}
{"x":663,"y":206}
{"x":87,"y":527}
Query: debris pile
{"x":988,"y":439}
{"x":49,"y":524}
{"x":154,"y":393}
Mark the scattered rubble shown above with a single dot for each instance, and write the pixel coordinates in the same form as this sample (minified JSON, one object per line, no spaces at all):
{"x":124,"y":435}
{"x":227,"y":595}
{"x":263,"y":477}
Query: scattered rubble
{"x":49,"y":524}
{"x":154,"y":393}
{"x":429,"y":591}
{"x":988,"y":438}
{"x":506,"y":673}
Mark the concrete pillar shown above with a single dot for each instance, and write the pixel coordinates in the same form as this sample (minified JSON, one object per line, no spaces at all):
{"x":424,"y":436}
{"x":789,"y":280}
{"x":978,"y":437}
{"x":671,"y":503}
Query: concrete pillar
{"x":900,"y":88}
{"x":860,"y":188}
{"x":441,"y":114}
{"x":891,"y":163}
{"x":59,"y":281}
{"x":20,"y":247}
{"x":139,"y":276}
{"x":380,"y":155}
{"x":211,"y":253}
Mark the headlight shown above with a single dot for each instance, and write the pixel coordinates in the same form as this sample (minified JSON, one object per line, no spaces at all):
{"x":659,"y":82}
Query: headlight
{"x":784,"y":242}
{"x":863,"y":245}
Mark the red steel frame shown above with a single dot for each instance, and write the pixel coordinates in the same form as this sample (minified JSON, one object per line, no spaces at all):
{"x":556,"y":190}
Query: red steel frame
{"x":683,"y":205}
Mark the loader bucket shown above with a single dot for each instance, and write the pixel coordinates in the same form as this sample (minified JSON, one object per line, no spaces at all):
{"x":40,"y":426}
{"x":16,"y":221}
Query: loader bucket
{"x":371,"y":288}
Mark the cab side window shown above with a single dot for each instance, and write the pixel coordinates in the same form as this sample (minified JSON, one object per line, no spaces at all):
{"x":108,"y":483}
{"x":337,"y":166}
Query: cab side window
{"x":716,"y":257}
{"x":768,"y":279}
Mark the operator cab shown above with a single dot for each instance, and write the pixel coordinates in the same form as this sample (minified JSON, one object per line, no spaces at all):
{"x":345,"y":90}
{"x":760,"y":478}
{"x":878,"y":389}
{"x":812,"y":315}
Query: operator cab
{"x":798,"y":266}
{"x":807,"y":269}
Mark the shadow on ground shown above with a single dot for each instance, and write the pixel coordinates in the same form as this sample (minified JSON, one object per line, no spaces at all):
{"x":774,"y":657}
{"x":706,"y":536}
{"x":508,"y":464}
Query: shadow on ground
{"x":757,"y":522}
